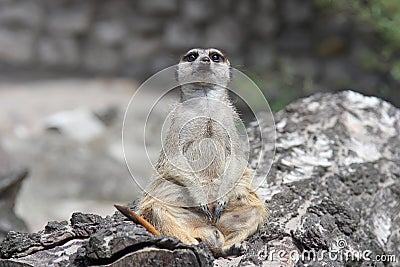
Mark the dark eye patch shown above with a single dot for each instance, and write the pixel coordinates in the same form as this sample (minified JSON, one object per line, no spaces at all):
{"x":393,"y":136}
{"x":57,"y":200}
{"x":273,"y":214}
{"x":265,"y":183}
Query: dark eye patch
{"x":191,"y":57}
{"x":216,"y":57}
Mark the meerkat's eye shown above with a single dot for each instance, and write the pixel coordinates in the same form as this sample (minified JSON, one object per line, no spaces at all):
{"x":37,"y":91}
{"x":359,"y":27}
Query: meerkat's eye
{"x":216,"y":57}
{"x":191,"y":57}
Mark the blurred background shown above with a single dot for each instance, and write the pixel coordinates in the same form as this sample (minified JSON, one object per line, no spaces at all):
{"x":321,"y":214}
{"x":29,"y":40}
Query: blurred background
{"x":68,"y":69}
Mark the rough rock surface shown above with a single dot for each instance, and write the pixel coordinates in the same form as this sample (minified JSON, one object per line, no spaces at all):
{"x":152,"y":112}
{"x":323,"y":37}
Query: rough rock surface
{"x":333,"y":192}
{"x":333,"y":189}
{"x":92,"y":240}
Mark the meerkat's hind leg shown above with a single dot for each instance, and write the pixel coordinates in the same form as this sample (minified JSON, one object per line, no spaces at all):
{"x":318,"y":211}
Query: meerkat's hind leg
{"x":171,"y":221}
{"x":241,"y":224}
{"x":215,"y":240}
{"x":230,"y":180}
{"x":211,"y":236}
{"x":241,"y":219}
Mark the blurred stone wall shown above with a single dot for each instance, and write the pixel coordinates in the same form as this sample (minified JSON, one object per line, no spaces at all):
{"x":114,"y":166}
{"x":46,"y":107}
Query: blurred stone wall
{"x":277,"y":40}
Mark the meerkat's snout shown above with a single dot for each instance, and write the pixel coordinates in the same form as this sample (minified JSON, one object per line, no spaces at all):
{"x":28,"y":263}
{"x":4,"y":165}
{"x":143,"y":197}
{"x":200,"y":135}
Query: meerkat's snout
{"x":205,"y":60}
{"x":207,"y":65}
{"x":204,"y":64}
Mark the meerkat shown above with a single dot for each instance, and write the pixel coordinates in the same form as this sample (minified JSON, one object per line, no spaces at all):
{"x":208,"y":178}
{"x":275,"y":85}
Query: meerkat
{"x":202,"y":188}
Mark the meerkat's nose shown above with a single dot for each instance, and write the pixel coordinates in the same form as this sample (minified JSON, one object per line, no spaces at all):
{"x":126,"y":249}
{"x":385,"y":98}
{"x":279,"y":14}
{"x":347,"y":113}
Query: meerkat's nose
{"x":205,"y":60}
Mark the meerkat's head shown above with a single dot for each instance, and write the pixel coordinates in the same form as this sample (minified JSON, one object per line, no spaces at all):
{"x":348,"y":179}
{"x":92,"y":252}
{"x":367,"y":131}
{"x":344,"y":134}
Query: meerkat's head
{"x":206,"y":65}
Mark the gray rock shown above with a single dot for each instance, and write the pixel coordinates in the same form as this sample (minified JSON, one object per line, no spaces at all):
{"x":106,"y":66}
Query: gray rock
{"x":198,"y":11}
{"x":301,"y":66}
{"x":226,"y":5}
{"x":108,"y":37}
{"x":336,"y":25}
{"x":224,"y":34}
{"x":16,"y":46}
{"x":146,"y":26}
{"x":159,"y":7}
{"x":266,"y":6}
{"x":27,"y":14}
{"x":75,"y":173}
{"x":334,"y":184}
{"x":181,"y":36}
{"x":101,"y":58}
{"x":333,"y":189}
{"x":140,"y":48}
{"x":83,"y":242}
{"x":264,"y":27}
{"x":10,"y":184}
{"x":58,"y":50}
{"x":297,"y":11}
{"x":164,"y":60}
{"x":108,"y":116}
{"x":74,"y":18}
{"x":80,"y":125}
{"x":260,"y":55}
{"x":295,"y":40}
{"x":339,"y":72}
{"x":109,"y":32}
{"x":244,"y":9}
{"x":4,"y":160}
{"x":109,"y":10}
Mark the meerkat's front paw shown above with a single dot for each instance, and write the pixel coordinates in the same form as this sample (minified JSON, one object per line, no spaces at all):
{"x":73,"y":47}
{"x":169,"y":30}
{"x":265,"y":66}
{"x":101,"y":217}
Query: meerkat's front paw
{"x":219,"y":208}
{"x":205,"y":208}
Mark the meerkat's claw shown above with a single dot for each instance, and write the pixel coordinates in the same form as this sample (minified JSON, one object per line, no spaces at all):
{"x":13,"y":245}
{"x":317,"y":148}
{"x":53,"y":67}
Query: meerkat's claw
{"x":219,"y":208}
{"x":205,"y":208}
{"x":236,"y":249}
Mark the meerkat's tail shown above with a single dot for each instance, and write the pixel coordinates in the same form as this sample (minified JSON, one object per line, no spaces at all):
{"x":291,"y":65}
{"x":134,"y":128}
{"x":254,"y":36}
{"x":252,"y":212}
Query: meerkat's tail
{"x":131,"y":215}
